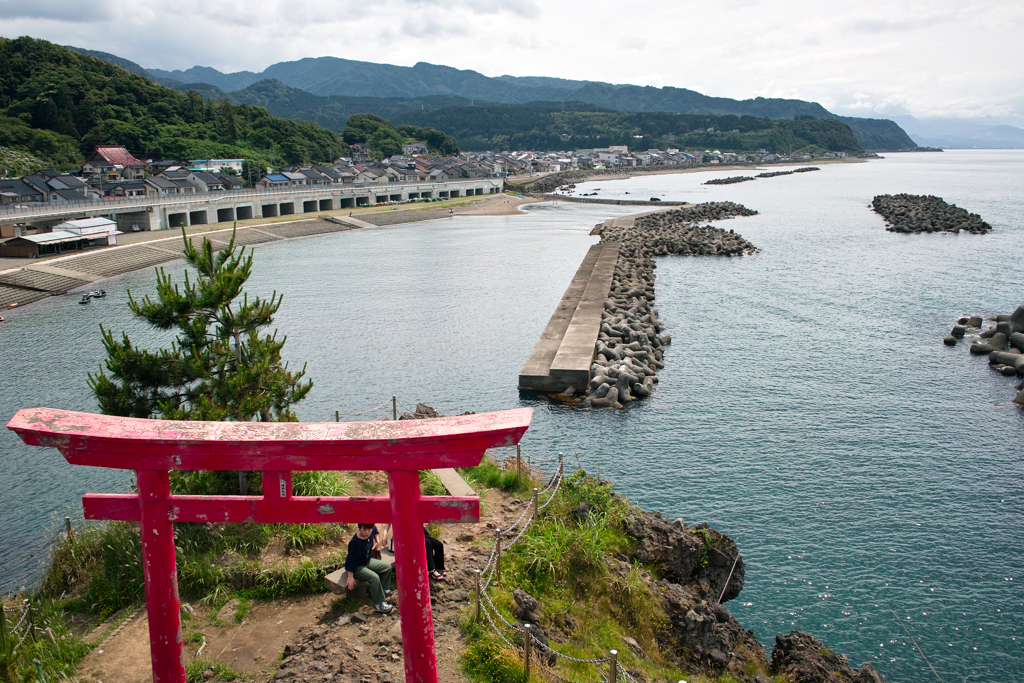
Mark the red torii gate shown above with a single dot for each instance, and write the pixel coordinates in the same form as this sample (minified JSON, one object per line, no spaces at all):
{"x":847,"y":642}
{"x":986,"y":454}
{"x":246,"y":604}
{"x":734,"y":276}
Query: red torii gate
{"x":154,"y":447}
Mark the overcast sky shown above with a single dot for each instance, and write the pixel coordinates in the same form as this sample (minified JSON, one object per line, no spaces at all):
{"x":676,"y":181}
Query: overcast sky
{"x":935,"y":58}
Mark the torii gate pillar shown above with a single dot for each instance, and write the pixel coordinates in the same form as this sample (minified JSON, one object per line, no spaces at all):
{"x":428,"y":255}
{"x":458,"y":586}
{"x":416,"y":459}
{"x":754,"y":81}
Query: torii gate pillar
{"x":155,"y":447}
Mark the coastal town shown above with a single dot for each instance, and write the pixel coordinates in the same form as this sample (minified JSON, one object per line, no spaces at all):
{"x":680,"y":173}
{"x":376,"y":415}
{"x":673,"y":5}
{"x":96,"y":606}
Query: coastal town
{"x":113,"y":173}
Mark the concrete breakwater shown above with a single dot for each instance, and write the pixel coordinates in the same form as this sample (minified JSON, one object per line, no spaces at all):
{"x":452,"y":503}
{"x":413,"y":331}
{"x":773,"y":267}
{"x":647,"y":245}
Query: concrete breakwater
{"x":629,"y":350}
{"x":926,"y":213}
{"x":615,"y":202}
{"x":731,"y":180}
{"x":604,"y":341}
{"x":1003,"y":343}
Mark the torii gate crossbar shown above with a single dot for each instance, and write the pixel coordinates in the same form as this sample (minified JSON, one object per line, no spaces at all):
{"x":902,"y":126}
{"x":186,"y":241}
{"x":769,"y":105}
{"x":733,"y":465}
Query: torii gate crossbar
{"x":153,"y":448}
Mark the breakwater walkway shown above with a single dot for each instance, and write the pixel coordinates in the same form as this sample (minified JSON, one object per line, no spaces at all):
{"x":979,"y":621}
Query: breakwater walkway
{"x":562,"y":356}
{"x":604,"y":340}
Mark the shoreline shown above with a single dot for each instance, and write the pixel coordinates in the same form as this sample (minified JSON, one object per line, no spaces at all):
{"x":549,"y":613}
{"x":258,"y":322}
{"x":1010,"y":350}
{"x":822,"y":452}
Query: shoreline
{"x":25,"y":281}
{"x":594,"y":174}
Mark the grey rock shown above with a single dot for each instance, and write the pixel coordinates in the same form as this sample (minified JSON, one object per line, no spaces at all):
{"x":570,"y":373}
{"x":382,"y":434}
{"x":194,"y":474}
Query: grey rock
{"x":949,"y":341}
{"x":1017,"y":320}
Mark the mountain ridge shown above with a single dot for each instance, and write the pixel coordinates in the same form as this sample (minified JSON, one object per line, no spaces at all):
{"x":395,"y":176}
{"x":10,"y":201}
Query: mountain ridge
{"x":334,"y":76}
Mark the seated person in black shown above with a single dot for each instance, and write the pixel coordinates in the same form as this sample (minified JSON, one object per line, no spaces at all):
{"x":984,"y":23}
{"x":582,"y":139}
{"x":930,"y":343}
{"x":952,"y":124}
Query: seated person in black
{"x":360,"y":565}
{"x":435,"y":557}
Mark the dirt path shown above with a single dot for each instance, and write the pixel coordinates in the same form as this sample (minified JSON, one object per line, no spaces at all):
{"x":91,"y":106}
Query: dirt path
{"x":304,"y":640}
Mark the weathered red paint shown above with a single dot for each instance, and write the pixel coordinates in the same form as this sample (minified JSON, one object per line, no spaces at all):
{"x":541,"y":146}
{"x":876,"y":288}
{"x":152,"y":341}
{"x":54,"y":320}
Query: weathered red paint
{"x":161,"y":572}
{"x":413,"y":582}
{"x":121,"y":442}
{"x":239,"y":509}
{"x":153,"y":447}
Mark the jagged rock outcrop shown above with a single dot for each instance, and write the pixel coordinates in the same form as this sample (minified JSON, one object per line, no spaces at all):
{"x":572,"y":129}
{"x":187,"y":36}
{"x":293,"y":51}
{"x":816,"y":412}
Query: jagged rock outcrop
{"x":805,"y":659}
{"x":699,"y":557}
{"x":703,"y":633}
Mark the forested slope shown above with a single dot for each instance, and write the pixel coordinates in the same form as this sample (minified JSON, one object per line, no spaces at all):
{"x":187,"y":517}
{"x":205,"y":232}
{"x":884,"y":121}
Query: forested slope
{"x":58,"y":105}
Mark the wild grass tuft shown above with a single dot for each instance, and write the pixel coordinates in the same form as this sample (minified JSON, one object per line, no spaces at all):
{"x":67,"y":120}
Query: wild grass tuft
{"x":202,"y":670}
{"x":488,"y":475}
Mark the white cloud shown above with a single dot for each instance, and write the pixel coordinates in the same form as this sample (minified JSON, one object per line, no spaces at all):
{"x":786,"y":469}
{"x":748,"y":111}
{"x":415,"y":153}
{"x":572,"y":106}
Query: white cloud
{"x":924,"y":57}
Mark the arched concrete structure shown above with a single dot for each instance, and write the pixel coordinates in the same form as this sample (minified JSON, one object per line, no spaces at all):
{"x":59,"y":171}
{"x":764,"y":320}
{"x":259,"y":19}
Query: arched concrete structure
{"x":172,"y":211}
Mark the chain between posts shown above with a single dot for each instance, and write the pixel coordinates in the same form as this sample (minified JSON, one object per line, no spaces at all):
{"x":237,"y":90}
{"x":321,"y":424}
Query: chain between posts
{"x":492,"y":571}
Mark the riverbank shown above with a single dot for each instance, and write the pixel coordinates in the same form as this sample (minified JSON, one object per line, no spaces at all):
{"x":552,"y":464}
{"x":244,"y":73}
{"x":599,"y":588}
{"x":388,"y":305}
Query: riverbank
{"x":25,"y":281}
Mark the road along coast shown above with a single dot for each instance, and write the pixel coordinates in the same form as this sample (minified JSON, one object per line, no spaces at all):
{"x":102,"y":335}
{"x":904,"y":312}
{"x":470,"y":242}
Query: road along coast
{"x":603,"y":344}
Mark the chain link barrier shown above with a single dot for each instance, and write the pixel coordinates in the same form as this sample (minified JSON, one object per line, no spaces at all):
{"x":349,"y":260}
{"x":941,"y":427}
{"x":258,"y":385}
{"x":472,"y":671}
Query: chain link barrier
{"x":14,"y":631}
{"x":499,"y":624}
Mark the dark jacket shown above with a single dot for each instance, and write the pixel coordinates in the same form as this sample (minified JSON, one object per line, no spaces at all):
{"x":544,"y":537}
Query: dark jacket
{"x":359,"y":551}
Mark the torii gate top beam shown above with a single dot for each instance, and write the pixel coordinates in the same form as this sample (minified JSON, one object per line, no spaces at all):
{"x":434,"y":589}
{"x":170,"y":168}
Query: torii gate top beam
{"x":134,"y":444}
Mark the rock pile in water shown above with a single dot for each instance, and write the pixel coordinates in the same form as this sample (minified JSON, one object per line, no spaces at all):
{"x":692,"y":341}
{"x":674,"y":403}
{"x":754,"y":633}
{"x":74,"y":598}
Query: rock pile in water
{"x":729,"y":181}
{"x":629,"y":345}
{"x":802,"y":657}
{"x":920,"y":213}
{"x":773,"y":174}
{"x":806,"y":169}
{"x":1003,"y":343}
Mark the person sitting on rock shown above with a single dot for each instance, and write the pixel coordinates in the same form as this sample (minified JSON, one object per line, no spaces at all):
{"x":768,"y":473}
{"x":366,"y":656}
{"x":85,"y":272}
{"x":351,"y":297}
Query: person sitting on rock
{"x":435,"y":557}
{"x":360,"y":565}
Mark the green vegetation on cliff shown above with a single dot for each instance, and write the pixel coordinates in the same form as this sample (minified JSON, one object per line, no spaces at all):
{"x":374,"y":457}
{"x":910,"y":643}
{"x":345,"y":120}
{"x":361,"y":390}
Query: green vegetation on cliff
{"x":58,"y":105}
{"x":385,"y":140}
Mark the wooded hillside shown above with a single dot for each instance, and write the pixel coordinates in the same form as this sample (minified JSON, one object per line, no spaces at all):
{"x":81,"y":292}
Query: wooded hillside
{"x":58,"y":105}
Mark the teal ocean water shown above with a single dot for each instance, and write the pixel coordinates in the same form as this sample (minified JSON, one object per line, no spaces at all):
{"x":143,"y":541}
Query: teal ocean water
{"x":808,"y":407}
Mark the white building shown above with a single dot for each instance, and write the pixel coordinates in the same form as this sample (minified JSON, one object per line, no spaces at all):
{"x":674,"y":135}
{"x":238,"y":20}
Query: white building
{"x":92,"y":228}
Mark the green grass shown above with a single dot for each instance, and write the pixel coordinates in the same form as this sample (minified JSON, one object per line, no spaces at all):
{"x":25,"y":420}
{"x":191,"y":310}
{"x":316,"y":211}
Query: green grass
{"x":490,"y":476}
{"x":568,"y":565}
{"x":58,"y":656}
{"x":100,"y":567}
{"x":202,"y":670}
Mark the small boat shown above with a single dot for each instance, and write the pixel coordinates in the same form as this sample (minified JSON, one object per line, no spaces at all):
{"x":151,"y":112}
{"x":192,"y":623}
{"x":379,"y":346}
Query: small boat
{"x":96,"y":294}
{"x":85,"y":299}
{"x":1,"y":318}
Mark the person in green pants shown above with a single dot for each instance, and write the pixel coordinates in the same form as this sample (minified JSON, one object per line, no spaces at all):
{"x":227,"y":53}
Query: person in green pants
{"x":360,"y":565}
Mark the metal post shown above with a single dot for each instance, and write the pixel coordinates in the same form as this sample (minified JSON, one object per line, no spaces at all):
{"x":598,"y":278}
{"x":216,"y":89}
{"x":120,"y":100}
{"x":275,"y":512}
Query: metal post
{"x":613,"y":667}
{"x":477,"y":571}
{"x":519,"y":465}
{"x":394,"y":409}
{"x":67,"y":528}
{"x":161,"y":576}
{"x":413,"y":584}
{"x":559,"y":464}
{"x":526,"y":652}
{"x":337,"y":416}
{"x":535,"y":510}
{"x":497,"y":559}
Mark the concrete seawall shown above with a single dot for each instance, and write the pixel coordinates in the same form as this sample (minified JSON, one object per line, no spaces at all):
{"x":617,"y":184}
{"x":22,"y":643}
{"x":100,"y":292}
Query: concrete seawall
{"x":563,"y":354}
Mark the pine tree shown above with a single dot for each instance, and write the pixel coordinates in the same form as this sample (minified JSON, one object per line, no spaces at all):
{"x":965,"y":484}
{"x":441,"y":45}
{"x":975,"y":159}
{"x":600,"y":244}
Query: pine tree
{"x":221,"y":365}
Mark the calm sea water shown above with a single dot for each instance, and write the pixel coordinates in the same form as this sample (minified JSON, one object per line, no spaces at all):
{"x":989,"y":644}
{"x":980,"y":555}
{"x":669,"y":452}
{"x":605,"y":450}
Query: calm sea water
{"x":808,"y":407}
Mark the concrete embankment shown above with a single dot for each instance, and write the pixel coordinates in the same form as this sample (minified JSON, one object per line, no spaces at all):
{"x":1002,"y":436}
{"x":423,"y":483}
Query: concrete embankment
{"x":57,"y":276}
